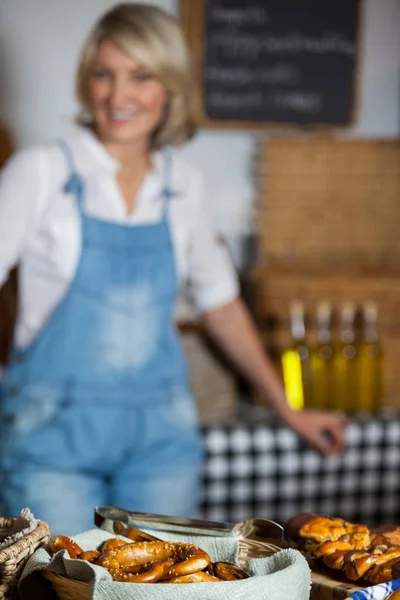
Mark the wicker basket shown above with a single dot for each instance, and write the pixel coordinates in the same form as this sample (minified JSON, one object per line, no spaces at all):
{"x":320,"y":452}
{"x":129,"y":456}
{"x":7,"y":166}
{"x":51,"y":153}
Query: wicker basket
{"x":71,"y":589}
{"x":14,"y":557}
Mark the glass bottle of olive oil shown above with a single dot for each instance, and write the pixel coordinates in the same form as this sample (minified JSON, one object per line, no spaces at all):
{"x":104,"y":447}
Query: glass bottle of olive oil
{"x":345,"y":363}
{"x":296,"y":360}
{"x":322,"y":360}
{"x":370,"y":361}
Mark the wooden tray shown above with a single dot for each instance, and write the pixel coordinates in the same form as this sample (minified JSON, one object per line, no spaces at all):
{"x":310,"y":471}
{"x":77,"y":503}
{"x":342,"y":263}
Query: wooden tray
{"x":328,"y":584}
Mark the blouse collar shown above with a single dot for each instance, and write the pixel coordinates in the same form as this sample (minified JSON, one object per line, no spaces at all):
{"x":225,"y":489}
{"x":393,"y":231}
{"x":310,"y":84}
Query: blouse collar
{"x":98,"y":158}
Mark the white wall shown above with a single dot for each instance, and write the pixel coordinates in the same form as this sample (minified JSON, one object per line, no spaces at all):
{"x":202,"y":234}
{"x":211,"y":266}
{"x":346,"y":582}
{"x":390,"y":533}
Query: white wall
{"x":39,"y":46}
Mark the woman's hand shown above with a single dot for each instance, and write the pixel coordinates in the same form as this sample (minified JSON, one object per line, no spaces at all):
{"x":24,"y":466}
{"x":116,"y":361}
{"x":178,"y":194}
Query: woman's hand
{"x":233,"y":329}
{"x":325,"y":431}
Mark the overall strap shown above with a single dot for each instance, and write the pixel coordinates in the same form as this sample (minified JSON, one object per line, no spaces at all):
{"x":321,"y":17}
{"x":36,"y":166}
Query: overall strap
{"x":167,"y":192}
{"x":74,"y":184}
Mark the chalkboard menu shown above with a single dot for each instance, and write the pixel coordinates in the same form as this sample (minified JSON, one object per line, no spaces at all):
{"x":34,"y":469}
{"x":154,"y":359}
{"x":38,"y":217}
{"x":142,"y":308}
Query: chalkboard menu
{"x":277,"y":61}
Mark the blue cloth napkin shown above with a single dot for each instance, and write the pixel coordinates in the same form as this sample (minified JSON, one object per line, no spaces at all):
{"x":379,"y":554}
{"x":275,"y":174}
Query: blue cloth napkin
{"x":377,"y":592}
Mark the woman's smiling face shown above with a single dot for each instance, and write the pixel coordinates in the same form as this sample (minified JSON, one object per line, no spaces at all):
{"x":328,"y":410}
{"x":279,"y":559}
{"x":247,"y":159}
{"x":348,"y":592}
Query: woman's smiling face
{"x":127,"y":102}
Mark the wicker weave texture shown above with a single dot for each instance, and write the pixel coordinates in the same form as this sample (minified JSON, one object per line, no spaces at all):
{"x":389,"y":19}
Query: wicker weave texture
{"x":329,"y":204}
{"x":14,"y":557}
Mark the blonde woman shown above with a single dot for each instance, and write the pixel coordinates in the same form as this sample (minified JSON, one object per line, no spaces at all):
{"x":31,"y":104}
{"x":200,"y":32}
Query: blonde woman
{"x":106,"y":226}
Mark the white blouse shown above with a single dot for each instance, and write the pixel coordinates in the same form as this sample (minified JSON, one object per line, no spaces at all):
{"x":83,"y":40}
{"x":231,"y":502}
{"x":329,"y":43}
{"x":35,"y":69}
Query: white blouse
{"x":40,"y":227}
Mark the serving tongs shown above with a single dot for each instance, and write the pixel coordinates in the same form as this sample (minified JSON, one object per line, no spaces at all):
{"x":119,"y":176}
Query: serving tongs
{"x":126,"y":522}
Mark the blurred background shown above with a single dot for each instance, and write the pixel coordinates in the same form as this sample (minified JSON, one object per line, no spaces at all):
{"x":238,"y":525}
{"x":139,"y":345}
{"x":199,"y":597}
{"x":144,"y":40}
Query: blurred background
{"x":40,"y":42}
{"x":309,"y":207}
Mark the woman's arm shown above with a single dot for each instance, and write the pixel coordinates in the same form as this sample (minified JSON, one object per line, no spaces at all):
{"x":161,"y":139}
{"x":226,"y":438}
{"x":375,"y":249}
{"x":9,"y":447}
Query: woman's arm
{"x":21,"y":192}
{"x":233,"y":330}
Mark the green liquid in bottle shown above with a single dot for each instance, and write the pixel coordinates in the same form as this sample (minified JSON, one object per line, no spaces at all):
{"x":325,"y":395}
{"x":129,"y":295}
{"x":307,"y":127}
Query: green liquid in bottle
{"x":370,"y":362}
{"x":296,"y":361}
{"x":322,"y":361}
{"x":345,"y":364}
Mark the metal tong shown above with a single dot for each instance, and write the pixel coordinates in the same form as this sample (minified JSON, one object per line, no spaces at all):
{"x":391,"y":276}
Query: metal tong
{"x":120,"y":521}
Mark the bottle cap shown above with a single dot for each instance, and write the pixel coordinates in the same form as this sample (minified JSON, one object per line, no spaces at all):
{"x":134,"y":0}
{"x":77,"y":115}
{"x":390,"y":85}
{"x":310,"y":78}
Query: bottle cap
{"x":348,"y":311}
{"x":297,"y":309}
{"x":297,"y":319}
{"x":324,"y":310}
{"x":370,"y":311}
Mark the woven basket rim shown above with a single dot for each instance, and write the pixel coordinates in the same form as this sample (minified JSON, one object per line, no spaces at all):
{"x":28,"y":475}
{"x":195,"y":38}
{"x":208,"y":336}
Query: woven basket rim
{"x":50,"y":575}
{"x":66,"y":588}
{"x":41,"y":531}
{"x":6,"y":522}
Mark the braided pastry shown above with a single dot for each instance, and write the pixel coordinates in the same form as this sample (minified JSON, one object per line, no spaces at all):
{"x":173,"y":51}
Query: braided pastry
{"x":355,"y":550}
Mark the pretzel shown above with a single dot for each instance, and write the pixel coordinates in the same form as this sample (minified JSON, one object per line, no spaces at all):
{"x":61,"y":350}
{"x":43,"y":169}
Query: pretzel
{"x":228,"y":572}
{"x":189,"y":557}
{"x":152,"y":561}
{"x":63,"y":542}
{"x":111,"y":544}
{"x":197,"y":577}
{"x":136,"y":535}
{"x":146,"y":574}
{"x":90,"y":556}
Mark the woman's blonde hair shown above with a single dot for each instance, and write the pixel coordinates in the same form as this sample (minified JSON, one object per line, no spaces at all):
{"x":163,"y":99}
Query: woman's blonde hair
{"x":153,"y":38}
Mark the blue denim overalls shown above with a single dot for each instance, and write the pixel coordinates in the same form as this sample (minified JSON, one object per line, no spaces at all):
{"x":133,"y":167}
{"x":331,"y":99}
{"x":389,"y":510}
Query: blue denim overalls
{"x":97,"y":409}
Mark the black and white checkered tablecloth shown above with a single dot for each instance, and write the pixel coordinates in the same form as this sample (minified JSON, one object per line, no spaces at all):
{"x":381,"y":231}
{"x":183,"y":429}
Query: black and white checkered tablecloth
{"x":265,"y":471}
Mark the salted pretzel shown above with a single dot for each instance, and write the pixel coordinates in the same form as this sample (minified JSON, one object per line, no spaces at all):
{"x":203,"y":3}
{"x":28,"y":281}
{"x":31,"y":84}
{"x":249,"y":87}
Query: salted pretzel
{"x":189,"y":558}
{"x":91,"y":556}
{"x":197,"y":577}
{"x":151,"y":561}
